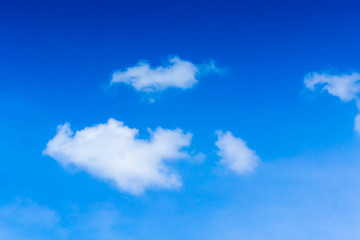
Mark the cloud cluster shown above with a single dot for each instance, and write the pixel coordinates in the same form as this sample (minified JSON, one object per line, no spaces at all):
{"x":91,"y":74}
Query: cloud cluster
{"x":112,"y":151}
{"x":235,"y":154}
{"x":344,"y":86}
{"x":176,"y":73}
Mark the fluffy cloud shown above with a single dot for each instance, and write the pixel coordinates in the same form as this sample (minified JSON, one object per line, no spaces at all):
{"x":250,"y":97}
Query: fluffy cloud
{"x":344,"y":86}
{"x":175,"y":73}
{"x":235,"y":154}
{"x":112,"y":151}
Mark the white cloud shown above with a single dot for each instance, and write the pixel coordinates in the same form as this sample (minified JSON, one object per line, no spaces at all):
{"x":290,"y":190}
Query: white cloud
{"x":176,"y":73}
{"x":344,"y":86}
{"x":235,"y":154}
{"x":112,"y":151}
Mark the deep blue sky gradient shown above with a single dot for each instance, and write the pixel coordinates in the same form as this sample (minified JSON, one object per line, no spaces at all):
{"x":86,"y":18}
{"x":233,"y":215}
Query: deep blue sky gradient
{"x":56,"y":61}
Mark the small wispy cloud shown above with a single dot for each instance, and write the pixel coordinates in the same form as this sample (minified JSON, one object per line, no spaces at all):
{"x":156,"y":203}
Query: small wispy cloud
{"x":112,"y":151}
{"x":235,"y":154}
{"x":344,"y":86}
{"x":176,"y":73}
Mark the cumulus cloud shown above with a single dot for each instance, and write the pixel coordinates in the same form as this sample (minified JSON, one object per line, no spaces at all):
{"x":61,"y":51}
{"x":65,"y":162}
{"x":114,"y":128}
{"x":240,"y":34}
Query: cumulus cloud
{"x":176,"y":73}
{"x":344,"y":86}
{"x":235,"y":154}
{"x":113,"y":152}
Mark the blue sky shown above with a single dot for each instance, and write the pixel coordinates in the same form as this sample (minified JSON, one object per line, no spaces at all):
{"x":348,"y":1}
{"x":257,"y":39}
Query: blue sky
{"x":279,"y":79}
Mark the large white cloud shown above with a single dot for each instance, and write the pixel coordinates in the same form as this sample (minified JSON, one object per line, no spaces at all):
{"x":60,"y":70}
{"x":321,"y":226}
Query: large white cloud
{"x":175,"y":73}
{"x":112,"y":151}
{"x":344,"y":86}
{"x":235,"y":154}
